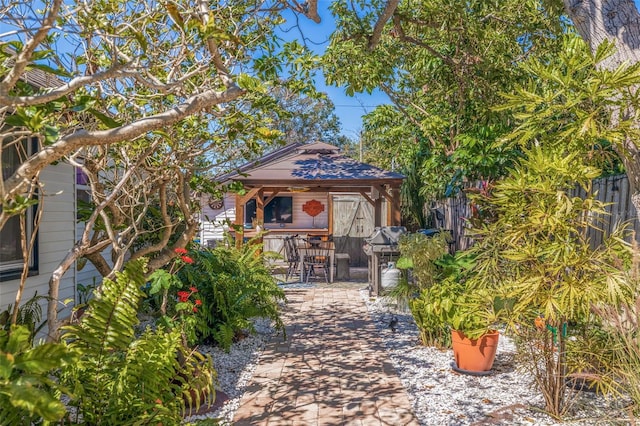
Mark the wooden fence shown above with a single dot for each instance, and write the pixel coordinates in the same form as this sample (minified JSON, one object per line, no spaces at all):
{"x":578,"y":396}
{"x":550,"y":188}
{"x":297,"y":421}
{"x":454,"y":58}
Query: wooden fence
{"x":452,"y":213}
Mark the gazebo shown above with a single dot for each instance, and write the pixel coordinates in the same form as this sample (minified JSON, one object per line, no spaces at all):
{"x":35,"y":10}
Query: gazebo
{"x":293,"y":191}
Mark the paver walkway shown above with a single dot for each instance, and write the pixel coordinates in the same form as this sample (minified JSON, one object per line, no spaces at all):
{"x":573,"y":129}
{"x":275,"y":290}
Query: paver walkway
{"x":332,"y":369}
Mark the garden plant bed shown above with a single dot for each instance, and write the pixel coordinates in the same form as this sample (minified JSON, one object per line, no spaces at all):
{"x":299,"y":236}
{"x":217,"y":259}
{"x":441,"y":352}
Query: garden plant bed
{"x":441,"y":396}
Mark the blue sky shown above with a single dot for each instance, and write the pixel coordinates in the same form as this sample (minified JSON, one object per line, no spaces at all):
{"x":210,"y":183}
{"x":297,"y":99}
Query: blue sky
{"x":349,"y":109}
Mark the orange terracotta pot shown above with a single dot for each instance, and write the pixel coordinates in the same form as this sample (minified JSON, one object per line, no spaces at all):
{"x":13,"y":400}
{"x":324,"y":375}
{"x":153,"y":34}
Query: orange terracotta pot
{"x":474,"y":355}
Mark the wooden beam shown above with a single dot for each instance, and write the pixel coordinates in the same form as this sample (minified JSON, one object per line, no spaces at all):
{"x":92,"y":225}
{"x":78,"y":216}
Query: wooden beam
{"x":272,"y":196}
{"x":249,"y":195}
{"x":260,"y":207}
{"x":353,"y":189}
{"x":330,"y":213}
{"x":384,"y":193}
{"x":366,"y":197}
{"x":396,"y":212}
{"x":377,"y":212}
{"x":239,"y":221}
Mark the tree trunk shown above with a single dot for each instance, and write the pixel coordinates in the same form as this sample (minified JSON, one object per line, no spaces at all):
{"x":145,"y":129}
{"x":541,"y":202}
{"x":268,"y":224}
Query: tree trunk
{"x":617,"y":21}
{"x":614,"y":20}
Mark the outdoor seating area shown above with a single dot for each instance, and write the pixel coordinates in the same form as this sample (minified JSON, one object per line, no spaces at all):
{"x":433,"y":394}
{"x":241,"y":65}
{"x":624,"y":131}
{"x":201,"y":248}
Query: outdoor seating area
{"x":310,"y":258}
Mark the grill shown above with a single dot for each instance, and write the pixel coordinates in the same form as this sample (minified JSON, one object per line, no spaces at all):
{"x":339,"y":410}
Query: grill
{"x":381,"y":247}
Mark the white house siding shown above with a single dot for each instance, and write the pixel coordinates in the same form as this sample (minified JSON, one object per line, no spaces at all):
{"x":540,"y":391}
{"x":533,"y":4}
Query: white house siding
{"x":85,"y":273}
{"x":212,"y":221}
{"x":55,"y":237}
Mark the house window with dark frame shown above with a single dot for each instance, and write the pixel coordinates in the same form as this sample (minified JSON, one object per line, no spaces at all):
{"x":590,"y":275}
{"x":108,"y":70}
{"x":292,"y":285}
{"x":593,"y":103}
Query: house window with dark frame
{"x":83,"y":195}
{"x":11,"y":258}
{"x":278,"y":210}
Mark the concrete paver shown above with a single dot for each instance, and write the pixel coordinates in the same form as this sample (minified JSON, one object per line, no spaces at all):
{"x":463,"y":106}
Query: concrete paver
{"x":332,"y":370}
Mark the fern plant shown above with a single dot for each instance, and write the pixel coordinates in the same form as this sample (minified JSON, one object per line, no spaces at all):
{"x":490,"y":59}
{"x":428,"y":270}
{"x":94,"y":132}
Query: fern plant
{"x":29,"y":315}
{"x":234,"y":286}
{"x":27,"y":393}
{"x":123,"y":379}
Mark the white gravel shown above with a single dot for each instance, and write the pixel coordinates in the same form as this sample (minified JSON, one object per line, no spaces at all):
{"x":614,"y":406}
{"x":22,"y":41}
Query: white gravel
{"x":235,"y":369}
{"x":439,"y":395}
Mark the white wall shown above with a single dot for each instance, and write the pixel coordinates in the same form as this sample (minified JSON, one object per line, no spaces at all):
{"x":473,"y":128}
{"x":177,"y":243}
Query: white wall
{"x":55,"y":237}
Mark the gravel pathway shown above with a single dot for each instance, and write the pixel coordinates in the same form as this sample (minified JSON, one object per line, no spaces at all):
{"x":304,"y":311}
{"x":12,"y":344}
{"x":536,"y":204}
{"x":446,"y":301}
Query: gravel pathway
{"x":439,"y":395}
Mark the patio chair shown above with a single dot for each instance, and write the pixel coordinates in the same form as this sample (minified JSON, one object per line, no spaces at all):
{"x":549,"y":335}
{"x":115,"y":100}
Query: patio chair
{"x":292,"y":255}
{"x":316,"y":259}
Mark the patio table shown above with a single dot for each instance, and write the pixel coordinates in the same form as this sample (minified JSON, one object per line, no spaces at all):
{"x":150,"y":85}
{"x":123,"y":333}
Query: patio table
{"x":304,"y":249}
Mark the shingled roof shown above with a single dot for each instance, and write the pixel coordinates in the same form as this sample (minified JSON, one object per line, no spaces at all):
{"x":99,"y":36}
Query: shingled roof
{"x":307,"y":164}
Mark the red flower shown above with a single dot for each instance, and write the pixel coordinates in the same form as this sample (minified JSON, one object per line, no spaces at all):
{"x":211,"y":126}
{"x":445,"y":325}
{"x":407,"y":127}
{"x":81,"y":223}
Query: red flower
{"x":183,"y":295}
{"x":198,"y":302}
{"x":193,"y":289}
{"x":187,"y":259}
{"x":180,"y":251}
{"x":195,"y":309}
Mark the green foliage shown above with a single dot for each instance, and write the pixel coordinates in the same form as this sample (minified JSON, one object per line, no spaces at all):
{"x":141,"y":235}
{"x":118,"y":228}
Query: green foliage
{"x":448,"y":303}
{"x":123,"y":379}
{"x":621,"y":356}
{"x":570,"y":101}
{"x":419,"y":252}
{"x":28,"y":394}
{"x":537,"y":248}
{"x":17,"y":204}
{"x":29,"y":315}
{"x":535,"y":255}
{"x":426,"y":310}
{"x":413,"y":199}
{"x":443,"y":83}
{"x":403,"y":292}
{"x":444,"y":301}
{"x":234,"y":286}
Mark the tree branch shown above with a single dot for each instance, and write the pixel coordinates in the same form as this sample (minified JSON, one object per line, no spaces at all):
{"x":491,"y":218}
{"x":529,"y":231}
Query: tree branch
{"x":63,"y":89}
{"x":387,"y":13}
{"x":23,"y":57}
{"x":69,"y":143}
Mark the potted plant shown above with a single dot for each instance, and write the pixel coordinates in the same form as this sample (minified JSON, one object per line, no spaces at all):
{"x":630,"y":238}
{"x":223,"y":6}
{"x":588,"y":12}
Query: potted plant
{"x":470,"y":311}
{"x":474,"y":338}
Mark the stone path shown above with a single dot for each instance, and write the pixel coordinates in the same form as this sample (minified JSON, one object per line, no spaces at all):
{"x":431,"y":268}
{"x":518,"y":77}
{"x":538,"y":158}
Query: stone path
{"x":332,"y":369}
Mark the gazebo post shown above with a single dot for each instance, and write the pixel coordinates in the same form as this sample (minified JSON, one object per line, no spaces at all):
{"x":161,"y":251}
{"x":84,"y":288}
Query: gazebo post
{"x":239,"y":221}
{"x":396,"y":213}
{"x":377,"y":206}
{"x":330,"y":212}
{"x":260,"y":207}
{"x":241,"y":200}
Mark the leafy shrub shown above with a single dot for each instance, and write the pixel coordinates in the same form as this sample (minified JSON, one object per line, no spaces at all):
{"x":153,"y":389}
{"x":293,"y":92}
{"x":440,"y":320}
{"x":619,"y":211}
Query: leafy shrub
{"x":234,"y":286}
{"x":434,"y":308}
{"x":419,"y":253}
{"x":27,"y":392}
{"x":537,"y":257}
{"x":439,"y":278}
{"x":29,"y":315}
{"x":123,"y":379}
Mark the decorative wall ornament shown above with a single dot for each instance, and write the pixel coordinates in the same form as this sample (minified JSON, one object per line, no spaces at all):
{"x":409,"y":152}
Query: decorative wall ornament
{"x":216,"y":203}
{"x":313,"y":208}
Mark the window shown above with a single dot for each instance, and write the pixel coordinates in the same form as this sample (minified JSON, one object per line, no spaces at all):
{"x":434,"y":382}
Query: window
{"x":83,"y":195}
{"x":11,"y":259}
{"x":279,"y":210}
